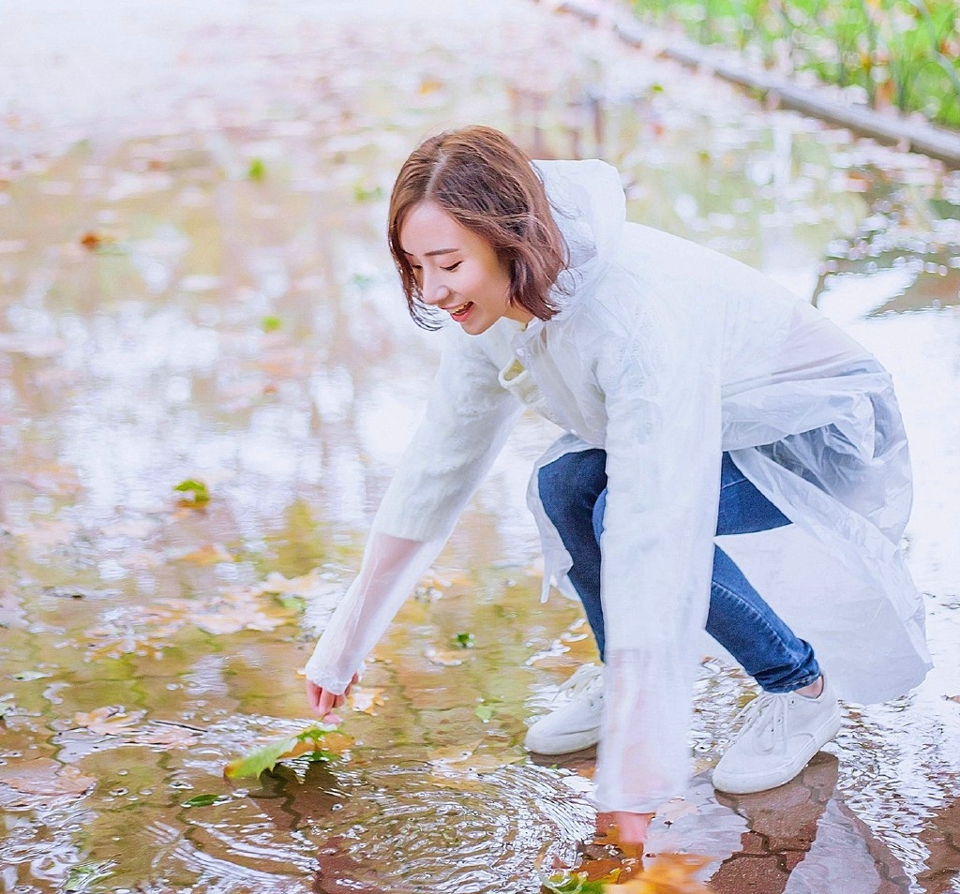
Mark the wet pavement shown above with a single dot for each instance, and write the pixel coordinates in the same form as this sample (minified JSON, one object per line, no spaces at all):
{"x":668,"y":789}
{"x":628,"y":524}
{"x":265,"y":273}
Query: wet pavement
{"x":194,"y":285}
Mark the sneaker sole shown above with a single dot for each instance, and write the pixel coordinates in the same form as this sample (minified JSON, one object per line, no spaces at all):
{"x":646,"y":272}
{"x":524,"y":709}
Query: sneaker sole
{"x":565,"y":745}
{"x":737,"y":784}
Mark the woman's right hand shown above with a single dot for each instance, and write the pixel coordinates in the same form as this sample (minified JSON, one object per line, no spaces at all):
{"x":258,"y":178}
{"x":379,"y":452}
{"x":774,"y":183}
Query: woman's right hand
{"x":323,"y":701}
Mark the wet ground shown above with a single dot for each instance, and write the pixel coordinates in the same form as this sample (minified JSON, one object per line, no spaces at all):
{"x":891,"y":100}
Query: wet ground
{"x":194,"y":285}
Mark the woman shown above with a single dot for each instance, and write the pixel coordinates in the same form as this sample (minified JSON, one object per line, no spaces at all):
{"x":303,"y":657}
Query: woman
{"x":698,"y":398}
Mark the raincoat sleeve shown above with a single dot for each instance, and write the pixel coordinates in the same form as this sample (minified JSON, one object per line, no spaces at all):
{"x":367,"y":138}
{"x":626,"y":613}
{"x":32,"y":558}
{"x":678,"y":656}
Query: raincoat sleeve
{"x":663,"y":470}
{"x":466,"y":423}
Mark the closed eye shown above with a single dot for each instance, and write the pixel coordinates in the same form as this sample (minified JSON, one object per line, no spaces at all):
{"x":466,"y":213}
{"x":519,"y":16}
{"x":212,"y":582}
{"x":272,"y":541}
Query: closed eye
{"x":452,"y":267}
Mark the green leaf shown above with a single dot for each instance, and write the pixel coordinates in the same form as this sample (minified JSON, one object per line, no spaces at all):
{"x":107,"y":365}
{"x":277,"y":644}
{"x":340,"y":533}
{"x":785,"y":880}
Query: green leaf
{"x":291,"y":602}
{"x":196,"y":491}
{"x":464,"y":640}
{"x":572,"y":883}
{"x":82,"y":877}
{"x":484,"y":712}
{"x":257,"y":170}
{"x":271,"y":323}
{"x":203,"y":800}
{"x":308,"y":745}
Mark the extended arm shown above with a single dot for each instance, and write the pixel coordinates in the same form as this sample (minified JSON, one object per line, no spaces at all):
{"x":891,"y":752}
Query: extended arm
{"x":467,"y":420}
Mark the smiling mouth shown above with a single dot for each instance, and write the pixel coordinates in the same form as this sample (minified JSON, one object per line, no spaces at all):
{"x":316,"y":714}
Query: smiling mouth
{"x":461,"y":310}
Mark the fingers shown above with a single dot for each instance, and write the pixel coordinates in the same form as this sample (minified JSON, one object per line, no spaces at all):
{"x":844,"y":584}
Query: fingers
{"x":322,"y":702}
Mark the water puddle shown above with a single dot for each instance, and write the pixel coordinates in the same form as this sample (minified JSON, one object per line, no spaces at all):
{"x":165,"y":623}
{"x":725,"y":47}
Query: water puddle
{"x":196,"y":291}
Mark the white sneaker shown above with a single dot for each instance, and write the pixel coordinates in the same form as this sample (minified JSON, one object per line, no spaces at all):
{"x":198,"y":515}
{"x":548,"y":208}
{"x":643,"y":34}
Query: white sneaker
{"x":779,"y":736}
{"x":575,"y":724}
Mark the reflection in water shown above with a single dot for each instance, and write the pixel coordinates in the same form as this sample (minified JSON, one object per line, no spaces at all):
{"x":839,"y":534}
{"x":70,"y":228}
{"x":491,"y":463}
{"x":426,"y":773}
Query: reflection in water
{"x":201,"y":290}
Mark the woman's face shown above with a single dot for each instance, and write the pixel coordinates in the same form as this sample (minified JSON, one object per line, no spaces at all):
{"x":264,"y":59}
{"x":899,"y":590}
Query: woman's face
{"x":457,"y":270}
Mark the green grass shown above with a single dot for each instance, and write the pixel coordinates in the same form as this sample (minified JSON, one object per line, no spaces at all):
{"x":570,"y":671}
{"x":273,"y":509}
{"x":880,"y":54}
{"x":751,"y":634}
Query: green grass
{"x":903,"y":53}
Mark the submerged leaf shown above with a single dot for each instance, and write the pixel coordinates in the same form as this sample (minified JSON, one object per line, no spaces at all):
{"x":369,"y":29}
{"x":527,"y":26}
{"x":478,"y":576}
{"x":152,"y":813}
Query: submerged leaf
{"x":667,"y":874}
{"x":196,"y":490}
{"x":484,"y":712}
{"x":316,"y":742}
{"x":85,"y":875}
{"x":203,"y":801}
{"x":572,"y":883}
{"x":44,"y":776}
{"x":465,"y":640}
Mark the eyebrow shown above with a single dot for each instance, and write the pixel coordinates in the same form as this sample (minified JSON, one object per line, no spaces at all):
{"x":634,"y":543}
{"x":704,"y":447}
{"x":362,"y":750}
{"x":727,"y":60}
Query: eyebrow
{"x":436,"y":251}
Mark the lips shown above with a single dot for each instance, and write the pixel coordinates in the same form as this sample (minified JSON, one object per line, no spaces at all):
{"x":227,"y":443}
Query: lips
{"x":459,"y":312}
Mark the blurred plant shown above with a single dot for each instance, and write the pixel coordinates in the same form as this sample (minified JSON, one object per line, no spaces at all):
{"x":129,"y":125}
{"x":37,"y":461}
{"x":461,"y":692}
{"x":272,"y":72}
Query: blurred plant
{"x":904,"y":53}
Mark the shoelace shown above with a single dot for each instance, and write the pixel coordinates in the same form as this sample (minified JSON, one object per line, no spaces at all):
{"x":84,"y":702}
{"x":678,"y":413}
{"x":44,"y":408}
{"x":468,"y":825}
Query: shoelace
{"x":586,"y":681}
{"x":769,"y":712}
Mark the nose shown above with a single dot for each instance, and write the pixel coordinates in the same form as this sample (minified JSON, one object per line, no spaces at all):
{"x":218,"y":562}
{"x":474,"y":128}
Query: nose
{"x":434,"y":291}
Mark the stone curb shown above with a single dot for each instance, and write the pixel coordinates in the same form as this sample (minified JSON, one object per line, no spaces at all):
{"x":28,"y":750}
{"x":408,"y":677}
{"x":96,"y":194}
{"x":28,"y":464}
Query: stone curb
{"x":898,"y":129}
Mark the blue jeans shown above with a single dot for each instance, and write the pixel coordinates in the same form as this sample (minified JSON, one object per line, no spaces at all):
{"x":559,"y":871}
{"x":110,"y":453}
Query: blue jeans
{"x":573,"y":490}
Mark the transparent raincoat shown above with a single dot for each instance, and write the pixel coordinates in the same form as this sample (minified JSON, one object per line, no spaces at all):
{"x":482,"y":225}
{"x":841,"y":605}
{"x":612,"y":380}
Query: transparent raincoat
{"x":666,"y":354}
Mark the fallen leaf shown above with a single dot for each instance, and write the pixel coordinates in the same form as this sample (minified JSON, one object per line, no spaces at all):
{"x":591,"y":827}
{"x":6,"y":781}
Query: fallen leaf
{"x":443,"y":659}
{"x":108,"y":721}
{"x":44,"y":776}
{"x":666,"y":874}
{"x":208,"y":554}
{"x":318,"y":742}
{"x":196,"y":491}
{"x":366,"y":699}
{"x":84,"y":876}
{"x":203,"y":800}
{"x":305,"y":585}
{"x":484,"y":712}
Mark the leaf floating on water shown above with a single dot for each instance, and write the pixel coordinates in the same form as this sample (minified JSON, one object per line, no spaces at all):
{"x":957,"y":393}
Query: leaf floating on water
{"x":44,"y":776}
{"x":316,"y":742}
{"x":109,"y":720}
{"x":484,"y":712}
{"x":306,"y":585}
{"x":443,"y":659}
{"x":666,"y":874}
{"x":196,"y":492}
{"x":203,"y":801}
{"x":465,"y":640}
{"x":85,"y":875}
{"x":209,"y":554}
{"x":366,"y":699}
{"x":572,"y":883}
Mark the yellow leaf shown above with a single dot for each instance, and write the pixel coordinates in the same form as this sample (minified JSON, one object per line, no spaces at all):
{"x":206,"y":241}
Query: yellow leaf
{"x":366,"y":699}
{"x":667,"y":874}
{"x":209,"y":554}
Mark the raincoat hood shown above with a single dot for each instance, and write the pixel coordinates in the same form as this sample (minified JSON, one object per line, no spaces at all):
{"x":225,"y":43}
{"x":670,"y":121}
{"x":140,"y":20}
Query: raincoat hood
{"x":589,"y":207}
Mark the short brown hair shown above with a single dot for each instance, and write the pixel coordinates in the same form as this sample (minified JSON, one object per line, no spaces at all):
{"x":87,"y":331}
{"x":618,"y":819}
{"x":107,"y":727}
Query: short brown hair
{"x":487,"y":184}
